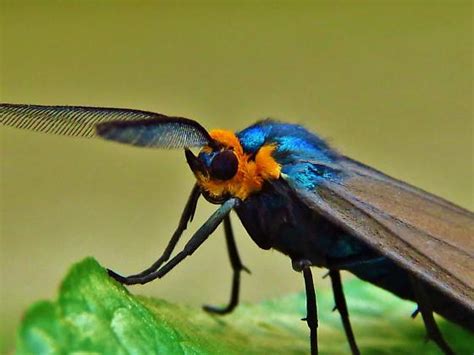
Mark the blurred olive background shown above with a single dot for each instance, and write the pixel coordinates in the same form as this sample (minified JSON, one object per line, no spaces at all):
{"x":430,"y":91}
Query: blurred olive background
{"x":389,"y":83}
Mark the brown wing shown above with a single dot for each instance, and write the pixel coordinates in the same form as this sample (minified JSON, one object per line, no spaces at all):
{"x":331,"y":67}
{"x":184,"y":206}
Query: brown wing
{"x":428,"y":236}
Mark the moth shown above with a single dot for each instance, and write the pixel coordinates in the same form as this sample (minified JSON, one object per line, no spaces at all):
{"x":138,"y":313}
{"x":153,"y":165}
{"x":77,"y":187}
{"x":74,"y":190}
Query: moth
{"x":292,"y":192}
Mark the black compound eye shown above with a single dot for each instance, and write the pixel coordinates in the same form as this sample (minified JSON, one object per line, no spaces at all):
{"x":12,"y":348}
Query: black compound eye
{"x":224,"y":165}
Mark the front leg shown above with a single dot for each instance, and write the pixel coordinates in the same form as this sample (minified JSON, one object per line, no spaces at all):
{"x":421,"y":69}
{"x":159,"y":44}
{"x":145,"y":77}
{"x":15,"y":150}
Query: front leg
{"x":311,"y":305}
{"x":237,"y":268}
{"x":191,"y":246}
{"x":186,"y":217}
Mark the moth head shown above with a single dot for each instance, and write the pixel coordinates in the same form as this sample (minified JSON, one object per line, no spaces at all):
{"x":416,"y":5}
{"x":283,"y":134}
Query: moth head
{"x":224,"y":170}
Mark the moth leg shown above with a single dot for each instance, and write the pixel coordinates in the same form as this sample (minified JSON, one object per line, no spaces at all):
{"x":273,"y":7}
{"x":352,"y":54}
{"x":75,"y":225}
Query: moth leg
{"x":237,"y":268}
{"x":341,"y":306}
{"x":311,"y":305}
{"x":186,"y":216}
{"x":426,"y":310}
{"x":191,"y":246}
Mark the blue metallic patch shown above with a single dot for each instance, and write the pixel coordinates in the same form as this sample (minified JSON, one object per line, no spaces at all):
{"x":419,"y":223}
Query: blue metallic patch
{"x":305,"y":158}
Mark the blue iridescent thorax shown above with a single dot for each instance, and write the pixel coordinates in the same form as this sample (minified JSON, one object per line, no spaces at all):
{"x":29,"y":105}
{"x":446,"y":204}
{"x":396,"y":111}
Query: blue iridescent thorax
{"x":305,"y":158}
{"x":274,"y":217}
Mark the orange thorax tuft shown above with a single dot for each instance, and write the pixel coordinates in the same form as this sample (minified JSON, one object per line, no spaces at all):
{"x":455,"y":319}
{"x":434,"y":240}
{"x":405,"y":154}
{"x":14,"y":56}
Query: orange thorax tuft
{"x":251,"y":173}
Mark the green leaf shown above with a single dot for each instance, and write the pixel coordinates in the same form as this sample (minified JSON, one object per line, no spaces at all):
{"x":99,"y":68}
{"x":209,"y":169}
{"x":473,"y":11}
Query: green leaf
{"x":96,"y":315}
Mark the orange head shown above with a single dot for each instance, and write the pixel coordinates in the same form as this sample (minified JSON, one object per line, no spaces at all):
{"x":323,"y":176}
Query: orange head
{"x":225,"y":170}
